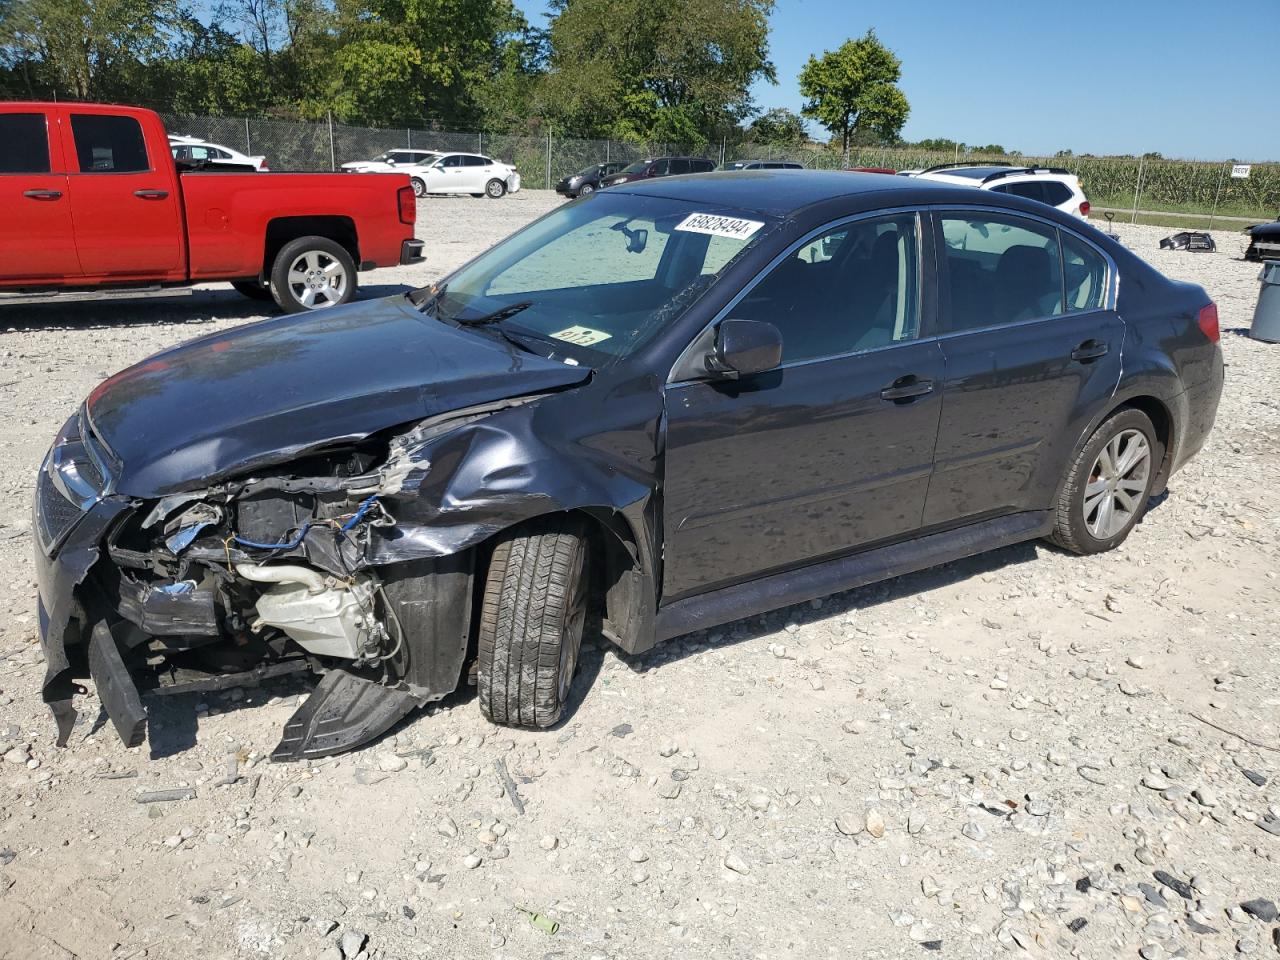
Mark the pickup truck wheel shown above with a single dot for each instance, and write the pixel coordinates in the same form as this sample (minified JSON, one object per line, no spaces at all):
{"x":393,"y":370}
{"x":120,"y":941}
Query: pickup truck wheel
{"x":531,"y":621}
{"x":253,"y":289}
{"x":1105,"y":492}
{"x":495,"y":188}
{"x":419,"y":188}
{"x":312,"y":273}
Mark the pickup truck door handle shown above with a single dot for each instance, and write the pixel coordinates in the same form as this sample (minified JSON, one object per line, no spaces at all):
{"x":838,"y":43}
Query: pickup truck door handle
{"x":151,"y":194}
{"x":1090,"y":350}
{"x":906,"y":389}
{"x":42,"y":194}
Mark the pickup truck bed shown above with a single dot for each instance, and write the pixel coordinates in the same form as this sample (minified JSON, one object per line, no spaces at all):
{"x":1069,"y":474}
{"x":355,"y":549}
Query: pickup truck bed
{"x":92,"y":200}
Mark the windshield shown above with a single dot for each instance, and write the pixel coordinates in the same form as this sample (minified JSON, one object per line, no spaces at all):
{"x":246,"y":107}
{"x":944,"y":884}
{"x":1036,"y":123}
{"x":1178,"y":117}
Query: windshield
{"x":640,"y":166}
{"x":596,"y":280}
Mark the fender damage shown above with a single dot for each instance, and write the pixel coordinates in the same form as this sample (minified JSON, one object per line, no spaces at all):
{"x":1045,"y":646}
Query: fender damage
{"x":350,"y":555}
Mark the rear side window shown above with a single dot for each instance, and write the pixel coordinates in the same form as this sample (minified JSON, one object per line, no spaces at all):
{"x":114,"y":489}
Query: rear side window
{"x":1085,"y":272}
{"x":24,"y":143}
{"x":106,"y":144}
{"x":701,"y":166}
{"x":1056,"y":193}
{"x":1031,"y":190}
{"x":477,"y":161}
{"x":1000,"y":270}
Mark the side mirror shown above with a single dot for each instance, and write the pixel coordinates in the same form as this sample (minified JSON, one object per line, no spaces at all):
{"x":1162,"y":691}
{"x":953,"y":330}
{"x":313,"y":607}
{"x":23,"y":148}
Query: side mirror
{"x":744,"y":347}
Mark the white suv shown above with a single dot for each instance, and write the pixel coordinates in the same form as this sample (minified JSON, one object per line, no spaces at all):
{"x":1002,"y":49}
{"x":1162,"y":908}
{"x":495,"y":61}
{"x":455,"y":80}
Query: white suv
{"x":1051,"y":185}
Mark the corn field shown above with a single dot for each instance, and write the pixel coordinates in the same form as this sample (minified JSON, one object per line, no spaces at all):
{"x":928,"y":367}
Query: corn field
{"x":1195,"y":188}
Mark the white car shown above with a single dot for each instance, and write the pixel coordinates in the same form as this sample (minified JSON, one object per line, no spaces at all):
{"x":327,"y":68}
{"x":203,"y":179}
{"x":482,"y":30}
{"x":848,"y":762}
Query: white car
{"x":393,"y":161}
{"x":193,"y":149}
{"x":1051,"y":185}
{"x":470,"y":173}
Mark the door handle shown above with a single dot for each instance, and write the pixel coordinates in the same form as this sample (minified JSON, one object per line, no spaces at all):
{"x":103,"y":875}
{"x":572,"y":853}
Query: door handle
{"x":42,"y":194}
{"x":151,"y":194}
{"x":1090,"y":350}
{"x":906,"y":389}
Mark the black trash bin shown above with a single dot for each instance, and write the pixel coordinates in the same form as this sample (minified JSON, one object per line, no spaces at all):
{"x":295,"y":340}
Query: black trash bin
{"x":1266,"y":316}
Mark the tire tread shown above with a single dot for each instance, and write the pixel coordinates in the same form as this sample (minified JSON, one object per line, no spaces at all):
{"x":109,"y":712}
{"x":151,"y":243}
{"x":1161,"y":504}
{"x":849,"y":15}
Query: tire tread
{"x":529,"y":589}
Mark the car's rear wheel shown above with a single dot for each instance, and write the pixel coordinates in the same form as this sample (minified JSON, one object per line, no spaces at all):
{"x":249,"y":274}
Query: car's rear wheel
{"x":1108,"y":484}
{"x":531,"y":621}
{"x":585,"y":189}
{"x":312,"y":273}
{"x":253,"y":289}
{"x":495,"y":189}
{"x":419,"y":188}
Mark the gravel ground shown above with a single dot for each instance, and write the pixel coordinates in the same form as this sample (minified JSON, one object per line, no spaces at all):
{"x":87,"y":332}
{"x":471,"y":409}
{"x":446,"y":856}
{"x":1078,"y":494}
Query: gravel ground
{"x":1025,"y":752}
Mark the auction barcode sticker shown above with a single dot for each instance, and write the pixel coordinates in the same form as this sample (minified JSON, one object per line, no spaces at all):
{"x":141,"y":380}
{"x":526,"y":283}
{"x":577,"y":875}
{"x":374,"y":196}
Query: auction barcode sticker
{"x":719,"y":226}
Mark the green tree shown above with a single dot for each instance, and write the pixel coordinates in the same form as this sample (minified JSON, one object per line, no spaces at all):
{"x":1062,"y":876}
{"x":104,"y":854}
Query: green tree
{"x":778,"y":127}
{"x":854,"y":88}
{"x":410,"y":60}
{"x":643,"y":70}
{"x":87,"y":49}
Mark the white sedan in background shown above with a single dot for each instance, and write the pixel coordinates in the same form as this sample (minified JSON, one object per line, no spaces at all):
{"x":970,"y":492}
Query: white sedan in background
{"x":471,"y":173}
{"x":192,"y":149}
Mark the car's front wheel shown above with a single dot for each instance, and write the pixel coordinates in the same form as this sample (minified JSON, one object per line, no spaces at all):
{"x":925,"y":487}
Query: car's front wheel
{"x":585,"y":189}
{"x":1106,"y":489}
{"x":495,"y":189}
{"x":419,"y":188}
{"x":531,"y":621}
{"x":312,"y":273}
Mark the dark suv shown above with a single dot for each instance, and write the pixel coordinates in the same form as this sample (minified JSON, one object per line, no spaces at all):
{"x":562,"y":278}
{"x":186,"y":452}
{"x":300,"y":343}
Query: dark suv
{"x":659,"y":167}
{"x":588,"y":179}
{"x":757,"y":394}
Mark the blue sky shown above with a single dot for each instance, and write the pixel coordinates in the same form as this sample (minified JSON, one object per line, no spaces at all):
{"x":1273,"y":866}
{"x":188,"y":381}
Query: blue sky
{"x":1100,"y":77}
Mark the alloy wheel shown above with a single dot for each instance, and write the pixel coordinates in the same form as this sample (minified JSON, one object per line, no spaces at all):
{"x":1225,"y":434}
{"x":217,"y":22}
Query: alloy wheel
{"x":1117,"y":484}
{"x":317,"y":280}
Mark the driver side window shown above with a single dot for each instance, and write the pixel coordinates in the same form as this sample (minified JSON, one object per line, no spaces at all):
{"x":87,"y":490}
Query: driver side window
{"x":854,"y":288}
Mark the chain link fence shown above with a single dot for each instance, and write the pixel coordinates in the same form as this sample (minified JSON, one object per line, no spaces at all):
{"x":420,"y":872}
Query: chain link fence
{"x":1130,"y":187}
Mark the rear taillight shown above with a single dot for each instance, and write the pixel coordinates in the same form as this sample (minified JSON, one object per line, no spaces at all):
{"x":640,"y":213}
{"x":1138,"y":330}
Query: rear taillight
{"x":408,"y":205}
{"x":1208,"y":321}
{"x":1084,"y":209}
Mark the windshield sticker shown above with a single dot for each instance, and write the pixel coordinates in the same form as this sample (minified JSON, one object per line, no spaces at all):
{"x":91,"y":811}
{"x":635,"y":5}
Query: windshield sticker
{"x":719,"y":226}
{"x":581,"y":336}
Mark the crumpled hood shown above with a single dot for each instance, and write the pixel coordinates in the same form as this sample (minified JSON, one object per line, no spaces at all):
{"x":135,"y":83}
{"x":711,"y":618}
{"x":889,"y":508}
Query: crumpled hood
{"x":261,"y":393}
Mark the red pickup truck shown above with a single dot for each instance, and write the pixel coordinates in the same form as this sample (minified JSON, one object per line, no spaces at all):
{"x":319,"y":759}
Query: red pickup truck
{"x":92,"y":203}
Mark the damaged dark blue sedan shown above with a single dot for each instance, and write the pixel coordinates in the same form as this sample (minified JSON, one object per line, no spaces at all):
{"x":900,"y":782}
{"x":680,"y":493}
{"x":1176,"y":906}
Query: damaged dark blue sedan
{"x":670,"y":404}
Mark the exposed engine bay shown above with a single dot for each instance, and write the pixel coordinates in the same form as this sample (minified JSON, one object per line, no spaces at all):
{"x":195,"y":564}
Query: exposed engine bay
{"x":302,"y":567}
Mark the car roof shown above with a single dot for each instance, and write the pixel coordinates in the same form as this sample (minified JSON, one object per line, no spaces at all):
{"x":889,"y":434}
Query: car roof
{"x":971,"y":173}
{"x":782,"y":192}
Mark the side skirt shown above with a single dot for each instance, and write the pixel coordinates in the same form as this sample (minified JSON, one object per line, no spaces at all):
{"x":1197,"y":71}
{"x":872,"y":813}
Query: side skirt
{"x":844,"y":573}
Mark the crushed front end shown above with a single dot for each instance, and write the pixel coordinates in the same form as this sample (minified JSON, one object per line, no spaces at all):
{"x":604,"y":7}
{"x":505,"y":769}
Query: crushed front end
{"x":299,"y":567}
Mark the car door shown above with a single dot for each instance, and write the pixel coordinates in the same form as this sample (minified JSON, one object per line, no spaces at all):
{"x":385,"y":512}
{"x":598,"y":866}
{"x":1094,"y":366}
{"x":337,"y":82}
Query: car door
{"x":127,"y":217}
{"x":37,"y":239}
{"x":445,"y":175}
{"x":831,"y":451}
{"x":479,"y":171}
{"x":1027,"y":358}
